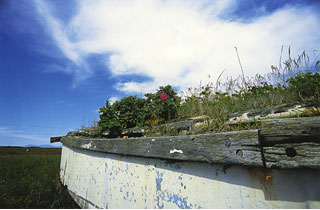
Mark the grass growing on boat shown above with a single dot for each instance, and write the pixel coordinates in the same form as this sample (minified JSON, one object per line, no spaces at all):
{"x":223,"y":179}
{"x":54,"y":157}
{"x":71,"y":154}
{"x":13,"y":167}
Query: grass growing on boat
{"x":295,"y":79}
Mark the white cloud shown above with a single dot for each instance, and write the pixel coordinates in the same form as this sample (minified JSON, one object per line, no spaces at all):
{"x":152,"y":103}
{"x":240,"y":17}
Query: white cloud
{"x":5,"y":131}
{"x":178,"y":42}
{"x":113,"y":99}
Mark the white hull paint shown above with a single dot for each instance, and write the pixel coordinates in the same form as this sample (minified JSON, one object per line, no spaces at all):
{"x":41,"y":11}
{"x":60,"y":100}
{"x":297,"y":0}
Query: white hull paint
{"x":102,"y":180}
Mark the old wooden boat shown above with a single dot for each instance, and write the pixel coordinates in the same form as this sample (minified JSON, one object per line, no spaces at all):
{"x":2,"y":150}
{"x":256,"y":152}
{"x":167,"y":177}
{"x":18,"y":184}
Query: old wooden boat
{"x":276,"y":165}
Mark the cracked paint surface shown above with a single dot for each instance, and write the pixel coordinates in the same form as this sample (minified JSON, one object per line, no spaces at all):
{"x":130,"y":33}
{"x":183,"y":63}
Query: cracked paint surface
{"x":103,"y":180}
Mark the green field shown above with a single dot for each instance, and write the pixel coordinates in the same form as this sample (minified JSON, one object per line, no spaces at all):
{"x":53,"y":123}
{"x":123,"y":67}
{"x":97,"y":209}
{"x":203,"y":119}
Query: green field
{"x":30,"y":179}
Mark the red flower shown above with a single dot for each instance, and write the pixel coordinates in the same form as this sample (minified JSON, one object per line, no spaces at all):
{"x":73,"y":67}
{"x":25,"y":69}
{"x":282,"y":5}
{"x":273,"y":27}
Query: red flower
{"x":163,"y":96}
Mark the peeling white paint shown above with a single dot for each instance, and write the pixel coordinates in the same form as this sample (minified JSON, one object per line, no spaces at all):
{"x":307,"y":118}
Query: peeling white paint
{"x":176,"y":151}
{"x":101,"y":180}
{"x":87,"y":146}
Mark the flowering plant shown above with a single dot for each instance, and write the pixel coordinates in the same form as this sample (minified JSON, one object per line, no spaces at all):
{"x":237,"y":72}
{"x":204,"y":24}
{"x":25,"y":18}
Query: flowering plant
{"x":163,"y":96}
{"x":164,"y":103}
{"x":132,"y":111}
{"x":129,"y":112}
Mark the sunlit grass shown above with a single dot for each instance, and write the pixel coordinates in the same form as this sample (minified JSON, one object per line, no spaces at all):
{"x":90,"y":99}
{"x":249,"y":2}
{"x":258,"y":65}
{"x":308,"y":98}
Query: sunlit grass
{"x":30,"y":179}
{"x":293,"y":80}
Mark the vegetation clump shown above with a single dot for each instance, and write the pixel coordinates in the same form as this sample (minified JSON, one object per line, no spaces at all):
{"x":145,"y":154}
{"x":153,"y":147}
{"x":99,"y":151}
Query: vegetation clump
{"x":131,"y":111}
{"x":299,"y":80}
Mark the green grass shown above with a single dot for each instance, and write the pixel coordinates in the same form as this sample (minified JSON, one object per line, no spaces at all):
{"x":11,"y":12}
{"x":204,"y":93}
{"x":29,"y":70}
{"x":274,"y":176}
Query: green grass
{"x":32,"y":151}
{"x":297,"y":79}
{"x":30,"y":179}
{"x":293,"y":80}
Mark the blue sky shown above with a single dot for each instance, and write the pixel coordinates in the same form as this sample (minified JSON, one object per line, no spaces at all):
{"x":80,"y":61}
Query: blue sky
{"x":61,"y":60}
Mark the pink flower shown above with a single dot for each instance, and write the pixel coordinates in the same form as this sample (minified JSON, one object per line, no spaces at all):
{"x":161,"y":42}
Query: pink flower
{"x":163,"y":96}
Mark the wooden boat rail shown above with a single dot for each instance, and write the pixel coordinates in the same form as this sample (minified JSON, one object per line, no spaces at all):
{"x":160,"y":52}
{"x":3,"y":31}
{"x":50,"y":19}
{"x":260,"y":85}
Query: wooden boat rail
{"x":278,"y":143}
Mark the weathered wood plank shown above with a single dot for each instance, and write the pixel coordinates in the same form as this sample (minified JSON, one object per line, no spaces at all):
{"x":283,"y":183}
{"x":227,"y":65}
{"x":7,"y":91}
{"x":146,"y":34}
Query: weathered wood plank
{"x":286,"y":130}
{"x":55,"y":139}
{"x":297,"y":155}
{"x":179,"y":126}
{"x":279,"y":143}
{"x":187,"y":125}
{"x":292,"y":109}
{"x":238,"y":147}
{"x":291,"y":142}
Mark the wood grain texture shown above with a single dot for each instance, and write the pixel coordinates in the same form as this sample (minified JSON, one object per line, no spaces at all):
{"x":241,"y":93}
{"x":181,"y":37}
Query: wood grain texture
{"x":239,"y":147}
{"x":296,"y":155}
{"x":279,"y":143}
{"x":263,"y":112}
{"x":291,"y":142}
{"x":292,"y":130}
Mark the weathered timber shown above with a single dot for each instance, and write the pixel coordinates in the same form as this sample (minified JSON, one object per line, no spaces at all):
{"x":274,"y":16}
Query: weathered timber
{"x":291,"y":142}
{"x":179,"y":126}
{"x":237,"y":147}
{"x":55,"y":139}
{"x":295,"y":109}
{"x":133,"y":132}
{"x":290,"y":130}
{"x":88,"y":132}
{"x":296,"y":155}
{"x":279,"y":143}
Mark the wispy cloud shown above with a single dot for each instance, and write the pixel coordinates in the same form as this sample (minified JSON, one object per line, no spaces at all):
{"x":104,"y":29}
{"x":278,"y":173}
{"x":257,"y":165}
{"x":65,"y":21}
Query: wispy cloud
{"x":9,"y":132}
{"x":60,"y":34}
{"x":178,"y":42}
